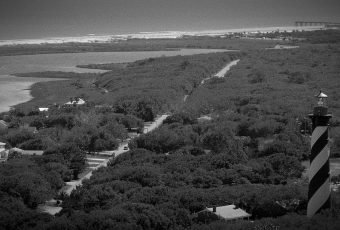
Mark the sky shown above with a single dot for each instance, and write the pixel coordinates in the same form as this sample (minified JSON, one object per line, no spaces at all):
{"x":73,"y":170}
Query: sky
{"x":22,"y":19}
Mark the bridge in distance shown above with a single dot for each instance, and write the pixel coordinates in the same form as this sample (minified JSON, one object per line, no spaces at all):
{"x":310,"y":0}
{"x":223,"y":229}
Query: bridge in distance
{"x":318,"y":23}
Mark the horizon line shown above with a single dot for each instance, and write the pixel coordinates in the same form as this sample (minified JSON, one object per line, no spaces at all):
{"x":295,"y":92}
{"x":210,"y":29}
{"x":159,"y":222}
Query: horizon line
{"x":145,"y":34}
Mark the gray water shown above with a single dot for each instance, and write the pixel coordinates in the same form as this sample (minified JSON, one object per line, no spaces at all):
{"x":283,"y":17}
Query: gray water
{"x":68,"y":61}
{"x":14,"y":90}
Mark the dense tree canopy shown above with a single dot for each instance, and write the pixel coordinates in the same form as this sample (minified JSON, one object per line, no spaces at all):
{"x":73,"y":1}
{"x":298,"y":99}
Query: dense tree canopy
{"x":234,"y":140}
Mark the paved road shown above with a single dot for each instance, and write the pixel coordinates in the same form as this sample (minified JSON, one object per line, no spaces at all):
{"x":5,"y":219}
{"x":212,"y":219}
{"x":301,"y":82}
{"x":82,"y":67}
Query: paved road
{"x":148,"y":127}
{"x":123,"y":147}
{"x":50,"y":207}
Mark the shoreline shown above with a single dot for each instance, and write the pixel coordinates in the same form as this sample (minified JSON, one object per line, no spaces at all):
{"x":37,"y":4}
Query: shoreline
{"x":16,"y":89}
{"x":150,"y":35}
{"x":20,"y":90}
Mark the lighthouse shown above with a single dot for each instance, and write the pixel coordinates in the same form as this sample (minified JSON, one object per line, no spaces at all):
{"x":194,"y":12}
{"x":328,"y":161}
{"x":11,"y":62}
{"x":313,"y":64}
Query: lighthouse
{"x":319,"y":192}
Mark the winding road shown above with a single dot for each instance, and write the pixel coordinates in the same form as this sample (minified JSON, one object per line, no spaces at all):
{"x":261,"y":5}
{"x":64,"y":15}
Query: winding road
{"x":50,"y":206}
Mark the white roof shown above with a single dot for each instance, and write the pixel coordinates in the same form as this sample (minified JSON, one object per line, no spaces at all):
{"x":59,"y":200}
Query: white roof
{"x":205,"y":117}
{"x":43,"y":109}
{"x":80,"y":101}
{"x":321,"y":94}
{"x":1,"y":143}
{"x":230,"y":212}
{"x":16,"y":150}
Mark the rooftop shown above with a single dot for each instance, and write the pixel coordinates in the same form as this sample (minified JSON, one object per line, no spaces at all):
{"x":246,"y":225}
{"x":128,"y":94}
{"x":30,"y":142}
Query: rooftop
{"x":43,"y":109}
{"x":77,"y":101}
{"x":230,"y":212}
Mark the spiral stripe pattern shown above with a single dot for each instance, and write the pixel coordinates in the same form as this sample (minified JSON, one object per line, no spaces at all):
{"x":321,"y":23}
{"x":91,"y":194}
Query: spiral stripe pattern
{"x":319,"y":177}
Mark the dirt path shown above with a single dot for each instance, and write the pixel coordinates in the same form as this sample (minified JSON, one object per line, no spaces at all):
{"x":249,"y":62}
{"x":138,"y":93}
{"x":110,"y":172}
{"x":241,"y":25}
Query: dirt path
{"x":222,"y":72}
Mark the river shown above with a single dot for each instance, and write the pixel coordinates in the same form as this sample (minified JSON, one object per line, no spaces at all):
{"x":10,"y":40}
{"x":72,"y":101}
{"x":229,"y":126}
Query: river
{"x":14,"y":90}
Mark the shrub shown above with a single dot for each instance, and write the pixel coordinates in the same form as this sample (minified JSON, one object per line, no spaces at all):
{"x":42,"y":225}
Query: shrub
{"x":298,"y":77}
{"x":256,"y":76}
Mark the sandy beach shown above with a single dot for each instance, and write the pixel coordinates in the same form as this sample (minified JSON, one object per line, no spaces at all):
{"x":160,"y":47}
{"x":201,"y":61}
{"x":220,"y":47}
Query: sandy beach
{"x":153,"y":35}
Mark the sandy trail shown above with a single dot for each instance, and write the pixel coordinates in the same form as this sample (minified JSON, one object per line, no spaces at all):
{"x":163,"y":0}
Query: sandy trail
{"x":223,"y":71}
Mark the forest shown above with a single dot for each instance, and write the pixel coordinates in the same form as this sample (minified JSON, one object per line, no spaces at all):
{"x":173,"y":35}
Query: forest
{"x":234,"y":140}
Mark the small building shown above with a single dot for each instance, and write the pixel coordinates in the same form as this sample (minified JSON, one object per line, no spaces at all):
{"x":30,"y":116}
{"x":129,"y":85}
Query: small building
{"x":227,"y":213}
{"x":42,"y":109}
{"x":75,"y":102}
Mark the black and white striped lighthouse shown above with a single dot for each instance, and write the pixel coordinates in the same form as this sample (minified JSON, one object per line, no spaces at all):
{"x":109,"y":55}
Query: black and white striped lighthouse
{"x":319,"y":193}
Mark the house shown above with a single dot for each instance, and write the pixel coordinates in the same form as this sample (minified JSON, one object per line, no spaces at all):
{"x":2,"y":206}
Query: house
{"x":42,"y":109}
{"x":75,"y":102}
{"x":227,"y":213}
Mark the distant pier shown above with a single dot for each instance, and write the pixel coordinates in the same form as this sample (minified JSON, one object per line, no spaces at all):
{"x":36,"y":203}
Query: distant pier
{"x":317,"y":23}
